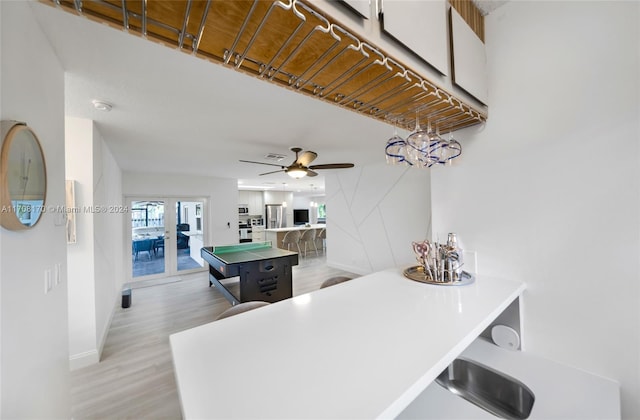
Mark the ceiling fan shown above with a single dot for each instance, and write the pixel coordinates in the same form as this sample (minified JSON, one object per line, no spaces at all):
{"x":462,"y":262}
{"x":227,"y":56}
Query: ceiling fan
{"x":300,"y":166}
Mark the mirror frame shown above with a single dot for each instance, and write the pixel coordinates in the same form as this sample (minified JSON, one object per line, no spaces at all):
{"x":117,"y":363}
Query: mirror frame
{"x":8,"y":217}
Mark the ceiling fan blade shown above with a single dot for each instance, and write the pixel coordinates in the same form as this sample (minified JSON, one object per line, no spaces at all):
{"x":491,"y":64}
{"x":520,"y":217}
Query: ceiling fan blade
{"x":272,"y":172}
{"x":306,"y":158}
{"x":311,"y":173}
{"x":332,"y":166}
{"x":261,"y":163}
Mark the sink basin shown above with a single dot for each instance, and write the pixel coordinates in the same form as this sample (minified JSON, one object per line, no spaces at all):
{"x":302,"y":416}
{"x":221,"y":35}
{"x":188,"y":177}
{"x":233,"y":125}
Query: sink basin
{"x":493,"y":391}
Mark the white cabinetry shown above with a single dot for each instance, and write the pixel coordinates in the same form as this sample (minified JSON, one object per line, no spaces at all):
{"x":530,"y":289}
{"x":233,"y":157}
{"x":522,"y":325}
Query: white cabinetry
{"x":253,"y":199}
{"x":258,"y":234}
{"x":421,"y":26}
{"x":255,"y":205}
{"x":360,"y":6}
{"x":469,"y":59}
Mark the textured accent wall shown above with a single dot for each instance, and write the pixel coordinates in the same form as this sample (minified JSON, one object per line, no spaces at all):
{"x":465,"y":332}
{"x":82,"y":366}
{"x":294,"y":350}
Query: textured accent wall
{"x":373,"y":214}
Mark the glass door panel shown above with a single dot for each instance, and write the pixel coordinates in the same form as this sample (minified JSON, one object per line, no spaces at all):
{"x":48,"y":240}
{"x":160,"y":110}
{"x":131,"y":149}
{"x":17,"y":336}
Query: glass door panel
{"x":189,"y":234}
{"x":147,"y":238}
{"x":165,"y":235}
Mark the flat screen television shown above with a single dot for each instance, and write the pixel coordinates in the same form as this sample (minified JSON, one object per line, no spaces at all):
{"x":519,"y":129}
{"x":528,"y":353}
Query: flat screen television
{"x":300,"y":216}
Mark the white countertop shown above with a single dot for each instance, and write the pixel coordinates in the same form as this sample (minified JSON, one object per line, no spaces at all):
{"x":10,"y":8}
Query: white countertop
{"x":361,"y":349}
{"x":561,"y":392}
{"x":300,"y":227}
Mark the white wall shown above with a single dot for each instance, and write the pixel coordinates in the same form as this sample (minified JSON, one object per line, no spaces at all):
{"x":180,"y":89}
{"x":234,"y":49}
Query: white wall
{"x":373,"y":215}
{"x":80,"y":255}
{"x":108,"y":237}
{"x":548,"y":191}
{"x":95,"y":260}
{"x":304,"y":201}
{"x":221,"y":194}
{"x":35,"y":351}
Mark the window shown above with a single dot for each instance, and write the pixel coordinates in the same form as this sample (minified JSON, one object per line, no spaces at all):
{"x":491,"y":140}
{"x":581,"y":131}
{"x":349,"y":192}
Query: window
{"x":322,"y":213}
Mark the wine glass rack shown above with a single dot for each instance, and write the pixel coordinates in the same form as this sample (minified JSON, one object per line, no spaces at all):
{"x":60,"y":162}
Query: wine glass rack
{"x":294,"y":45}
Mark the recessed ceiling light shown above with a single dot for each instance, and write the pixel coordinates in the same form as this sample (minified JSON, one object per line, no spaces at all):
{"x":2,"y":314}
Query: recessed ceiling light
{"x":101,"y":105}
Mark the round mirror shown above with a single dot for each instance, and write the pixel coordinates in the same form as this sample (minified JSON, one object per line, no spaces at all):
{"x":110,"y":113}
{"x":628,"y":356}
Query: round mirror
{"x":23,"y":177}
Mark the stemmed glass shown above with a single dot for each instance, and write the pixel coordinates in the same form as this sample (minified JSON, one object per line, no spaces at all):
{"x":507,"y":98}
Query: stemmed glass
{"x":423,"y":148}
{"x":418,"y":145}
{"x":427,"y":147}
{"x":395,"y":149}
{"x":450,"y":150}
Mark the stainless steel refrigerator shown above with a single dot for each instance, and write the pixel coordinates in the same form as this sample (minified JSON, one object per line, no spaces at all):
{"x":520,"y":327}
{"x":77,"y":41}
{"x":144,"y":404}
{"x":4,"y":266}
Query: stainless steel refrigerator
{"x":275,"y":216}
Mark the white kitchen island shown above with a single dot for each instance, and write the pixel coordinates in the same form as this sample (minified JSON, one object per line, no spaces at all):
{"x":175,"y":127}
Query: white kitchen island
{"x":361,"y":349}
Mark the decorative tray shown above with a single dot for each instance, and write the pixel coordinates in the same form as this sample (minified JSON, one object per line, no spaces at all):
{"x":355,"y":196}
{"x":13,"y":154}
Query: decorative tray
{"x":417,"y":273}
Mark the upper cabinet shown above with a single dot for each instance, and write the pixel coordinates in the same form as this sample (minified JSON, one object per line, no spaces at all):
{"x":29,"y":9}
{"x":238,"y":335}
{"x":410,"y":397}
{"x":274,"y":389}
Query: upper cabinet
{"x":361,"y":7}
{"x":253,"y":199}
{"x":421,"y":26}
{"x":469,"y":60}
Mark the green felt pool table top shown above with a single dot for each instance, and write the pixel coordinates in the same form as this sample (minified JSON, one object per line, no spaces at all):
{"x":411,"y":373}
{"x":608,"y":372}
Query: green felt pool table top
{"x":246,"y":252}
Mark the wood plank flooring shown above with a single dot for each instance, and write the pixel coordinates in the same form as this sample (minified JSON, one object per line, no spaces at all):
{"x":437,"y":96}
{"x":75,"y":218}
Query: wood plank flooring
{"x":135,"y":377}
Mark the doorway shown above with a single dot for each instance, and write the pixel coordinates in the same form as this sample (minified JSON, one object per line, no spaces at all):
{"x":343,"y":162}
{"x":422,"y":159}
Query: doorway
{"x":165,"y":236}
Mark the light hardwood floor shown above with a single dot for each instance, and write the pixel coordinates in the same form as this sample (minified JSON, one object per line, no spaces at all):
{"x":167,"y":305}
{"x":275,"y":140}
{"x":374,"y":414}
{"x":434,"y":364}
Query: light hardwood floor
{"x":135,"y":377}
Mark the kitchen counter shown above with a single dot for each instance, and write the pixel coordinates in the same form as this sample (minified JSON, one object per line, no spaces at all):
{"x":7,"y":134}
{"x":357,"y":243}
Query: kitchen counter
{"x":561,"y":392}
{"x":365,"y":348}
{"x":300,"y":227}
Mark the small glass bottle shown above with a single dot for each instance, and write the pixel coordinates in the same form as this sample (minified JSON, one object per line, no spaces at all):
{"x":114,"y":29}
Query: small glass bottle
{"x":455,"y":263}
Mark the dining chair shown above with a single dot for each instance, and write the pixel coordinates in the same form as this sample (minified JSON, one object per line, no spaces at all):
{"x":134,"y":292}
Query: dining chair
{"x":333,"y":281}
{"x":242,"y":307}
{"x":292,"y":237}
{"x":158,"y":244}
{"x":144,"y":245}
{"x":309,"y":237}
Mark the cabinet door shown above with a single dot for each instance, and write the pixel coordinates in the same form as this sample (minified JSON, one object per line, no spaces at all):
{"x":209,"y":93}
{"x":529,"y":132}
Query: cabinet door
{"x":469,"y":59}
{"x":421,"y":26}
{"x":361,"y":7}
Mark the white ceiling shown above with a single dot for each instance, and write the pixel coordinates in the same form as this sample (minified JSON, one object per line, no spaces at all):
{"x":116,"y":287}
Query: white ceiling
{"x":488,"y":6}
{"x":175,"y":113}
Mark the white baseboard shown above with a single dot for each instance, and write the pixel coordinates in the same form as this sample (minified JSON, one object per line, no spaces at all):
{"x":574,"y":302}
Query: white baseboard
{"x":88,"y":358}
{"x":84,"y":359}
{"x":107,"y":327}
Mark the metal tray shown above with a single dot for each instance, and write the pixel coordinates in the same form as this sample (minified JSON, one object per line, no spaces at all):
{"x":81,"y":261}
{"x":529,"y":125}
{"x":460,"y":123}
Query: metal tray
{"x":417,"y":273}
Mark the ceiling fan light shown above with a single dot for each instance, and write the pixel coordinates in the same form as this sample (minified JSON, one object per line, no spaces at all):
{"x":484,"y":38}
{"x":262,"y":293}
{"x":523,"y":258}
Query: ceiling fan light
{"x":297,"y":173}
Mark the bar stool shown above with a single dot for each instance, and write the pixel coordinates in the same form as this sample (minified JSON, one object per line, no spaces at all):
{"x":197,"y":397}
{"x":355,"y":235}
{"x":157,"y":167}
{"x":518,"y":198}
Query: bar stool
{"x":309,"y":236}
{"x":323,"y":235}
{"x":292,"y":237}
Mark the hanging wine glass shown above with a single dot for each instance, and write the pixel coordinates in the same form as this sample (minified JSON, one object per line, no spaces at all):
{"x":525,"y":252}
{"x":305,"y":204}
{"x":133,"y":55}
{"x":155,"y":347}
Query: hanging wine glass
{"x":454,"y":147}
{"x":450,"y":151}
{"x":395,"y":149}
{"x":438,"y":147}
{"x":418,"y":144}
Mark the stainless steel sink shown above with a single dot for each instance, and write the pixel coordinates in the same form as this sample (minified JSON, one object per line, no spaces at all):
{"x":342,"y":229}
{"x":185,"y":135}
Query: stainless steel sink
{"x":493,"y":391}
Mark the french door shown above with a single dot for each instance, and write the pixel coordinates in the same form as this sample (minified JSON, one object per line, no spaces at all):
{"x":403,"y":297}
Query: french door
{"x":165,"y":235}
